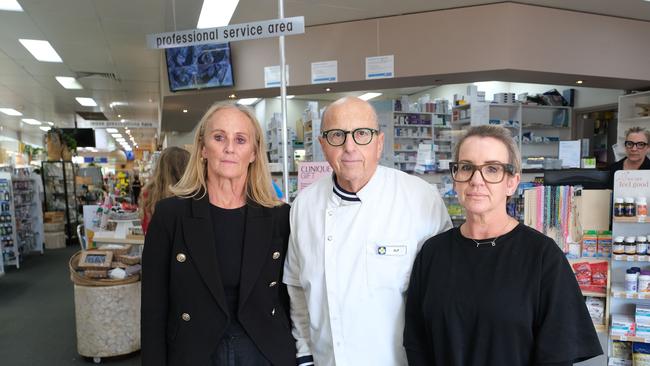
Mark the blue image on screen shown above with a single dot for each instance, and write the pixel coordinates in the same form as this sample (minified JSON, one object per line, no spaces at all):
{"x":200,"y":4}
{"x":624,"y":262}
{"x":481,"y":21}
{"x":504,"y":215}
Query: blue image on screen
{"x":197,"y":67}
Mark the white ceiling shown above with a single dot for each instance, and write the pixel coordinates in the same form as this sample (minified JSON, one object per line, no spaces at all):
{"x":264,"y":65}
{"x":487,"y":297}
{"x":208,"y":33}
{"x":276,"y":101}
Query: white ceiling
{"x":108,"y":36}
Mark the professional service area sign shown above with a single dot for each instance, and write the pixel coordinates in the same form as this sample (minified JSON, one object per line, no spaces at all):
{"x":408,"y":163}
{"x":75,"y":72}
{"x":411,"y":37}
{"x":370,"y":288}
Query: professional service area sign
{"x":229,"y":33}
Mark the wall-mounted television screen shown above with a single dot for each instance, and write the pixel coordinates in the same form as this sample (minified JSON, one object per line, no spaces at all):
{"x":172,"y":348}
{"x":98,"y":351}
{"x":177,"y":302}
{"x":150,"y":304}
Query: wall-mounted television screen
{"x":85,"y":137}
{"x":198,"y":67}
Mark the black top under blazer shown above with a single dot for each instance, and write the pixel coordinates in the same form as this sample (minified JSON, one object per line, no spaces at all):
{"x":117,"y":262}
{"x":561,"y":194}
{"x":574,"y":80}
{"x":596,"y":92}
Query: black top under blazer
{"x":184,"y":312}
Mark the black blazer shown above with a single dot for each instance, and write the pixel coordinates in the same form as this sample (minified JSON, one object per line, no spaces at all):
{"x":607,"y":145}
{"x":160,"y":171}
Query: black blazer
{"x":184,"y":312}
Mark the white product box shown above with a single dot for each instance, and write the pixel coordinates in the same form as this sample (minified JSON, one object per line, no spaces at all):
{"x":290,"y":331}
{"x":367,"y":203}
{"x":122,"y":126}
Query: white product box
{"x":619,"y":362}
{"x":643,"y":331}
{"x":622,"y":325}
{"x":642,"y":315}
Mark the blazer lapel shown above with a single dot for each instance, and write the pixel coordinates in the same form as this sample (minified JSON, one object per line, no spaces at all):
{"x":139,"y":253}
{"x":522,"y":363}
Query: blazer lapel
{"x":199,"y":239}
{"x":257,"y":241}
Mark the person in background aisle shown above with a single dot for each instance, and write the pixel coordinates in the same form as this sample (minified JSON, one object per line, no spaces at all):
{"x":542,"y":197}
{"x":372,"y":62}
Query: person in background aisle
{"x":135,"y":188}
{"x":168,"y":171}
{"x":493,"y":291}
{"x":214,"y":253}
{"x":636,"y":149}
{"x":354,"y":236}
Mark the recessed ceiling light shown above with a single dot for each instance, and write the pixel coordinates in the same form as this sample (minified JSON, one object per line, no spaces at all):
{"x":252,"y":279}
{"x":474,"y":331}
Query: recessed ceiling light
{"x":119,"y":116}
{"x":45,"y":128}
{"x":150,"y":100}
{"x":216,"y":13}
{"x":328,"y":89}
{"x":232,"y":96}
{"x":122,"y":120}
{"x":10,"y":112}
{"x":41,"y":50}
{"x":31,"y":121}
{"x":184,"y":110}
{"x":369,"y":96}
{"x":248,"y":101}
{"x":111,"y":130}
{"x":86,"y":102}
{"x":580,"y":81}
{"x":68,"y":82}
{"x":116,"y":135}
{"x":10,"y":5}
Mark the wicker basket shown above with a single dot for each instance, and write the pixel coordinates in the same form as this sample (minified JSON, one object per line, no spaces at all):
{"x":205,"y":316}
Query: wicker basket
{"x":84,"y":281}
{"x":54,"y":240}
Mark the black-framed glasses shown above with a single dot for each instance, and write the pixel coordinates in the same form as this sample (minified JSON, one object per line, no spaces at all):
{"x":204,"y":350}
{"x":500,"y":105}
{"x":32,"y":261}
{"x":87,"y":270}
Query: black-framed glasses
{"x":490,"y":172}
{"x":639,"y":144}
{"x":361,"y":136}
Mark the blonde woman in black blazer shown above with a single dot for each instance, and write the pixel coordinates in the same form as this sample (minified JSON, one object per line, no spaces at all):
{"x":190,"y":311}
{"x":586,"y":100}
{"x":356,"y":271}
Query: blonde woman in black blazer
{"x":213,"y":258}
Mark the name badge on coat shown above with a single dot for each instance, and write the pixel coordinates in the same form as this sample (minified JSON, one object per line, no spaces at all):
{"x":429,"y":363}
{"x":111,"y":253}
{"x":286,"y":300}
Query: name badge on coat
{"x":391,"y":250}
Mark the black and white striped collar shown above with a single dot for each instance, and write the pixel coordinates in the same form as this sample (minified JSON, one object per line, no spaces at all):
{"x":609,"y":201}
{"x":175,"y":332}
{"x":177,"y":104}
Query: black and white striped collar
{"x":342,"y":193}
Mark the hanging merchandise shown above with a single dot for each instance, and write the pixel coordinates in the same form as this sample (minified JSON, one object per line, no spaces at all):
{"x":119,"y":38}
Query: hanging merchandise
{"x":550,"y":210}
{"x":8,"y":241}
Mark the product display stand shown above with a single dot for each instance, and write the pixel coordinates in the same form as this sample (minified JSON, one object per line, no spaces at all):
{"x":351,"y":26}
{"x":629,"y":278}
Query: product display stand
{"x":8,"y":239}
{"x":59,"y":185}
{"x":625,"y":300}
{"x":29,"y":215}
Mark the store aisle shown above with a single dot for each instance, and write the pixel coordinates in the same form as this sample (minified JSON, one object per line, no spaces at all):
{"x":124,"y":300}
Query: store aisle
{"x":37,"y":323}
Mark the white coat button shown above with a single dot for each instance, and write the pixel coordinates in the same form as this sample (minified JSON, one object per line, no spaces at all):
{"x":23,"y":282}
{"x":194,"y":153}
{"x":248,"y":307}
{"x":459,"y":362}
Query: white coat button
{"x":273,"y":312}
{"x":186,"y":317}
{"x":330,"y":213}
{"x":272,"y":284}
{"x":180,"y":257}
{"x":329,"y":238}
{"x":276,"y":255}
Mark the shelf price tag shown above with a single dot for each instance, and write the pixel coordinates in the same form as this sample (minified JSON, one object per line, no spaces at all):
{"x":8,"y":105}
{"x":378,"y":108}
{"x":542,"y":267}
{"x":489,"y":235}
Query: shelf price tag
{"x":646,"y":340}
{"x":642,"y":258}
{"x":629,"y":296}
{"x":622,"y":338}
{"x":630,"y":258}
{"x":618,"y":257}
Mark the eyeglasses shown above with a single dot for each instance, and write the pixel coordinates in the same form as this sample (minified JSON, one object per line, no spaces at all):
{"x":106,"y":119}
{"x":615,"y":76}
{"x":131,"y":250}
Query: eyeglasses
{"x":491,"y":172}
{"x":361,"y":136}
{"x":639,"y":145}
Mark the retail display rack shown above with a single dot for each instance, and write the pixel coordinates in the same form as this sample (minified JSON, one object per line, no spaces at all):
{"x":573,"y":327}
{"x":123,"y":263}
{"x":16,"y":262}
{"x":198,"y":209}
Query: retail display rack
{"x":60,"y":194}
{"x":8,"y":240}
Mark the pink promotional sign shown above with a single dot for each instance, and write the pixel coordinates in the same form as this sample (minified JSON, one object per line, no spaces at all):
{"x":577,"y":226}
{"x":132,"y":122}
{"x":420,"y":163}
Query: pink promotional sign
{"x":309,"y":172}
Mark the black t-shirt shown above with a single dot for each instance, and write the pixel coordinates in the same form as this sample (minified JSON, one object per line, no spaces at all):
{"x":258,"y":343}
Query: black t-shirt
{"x":229,"y":226}
{"x":515,"y":303}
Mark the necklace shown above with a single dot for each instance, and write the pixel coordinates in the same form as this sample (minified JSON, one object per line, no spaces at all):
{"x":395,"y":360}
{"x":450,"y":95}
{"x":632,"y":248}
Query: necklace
{"x":493,"y":242}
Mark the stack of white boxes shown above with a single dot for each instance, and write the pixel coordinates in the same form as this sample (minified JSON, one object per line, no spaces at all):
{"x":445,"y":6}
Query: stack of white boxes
{"x":642,"y":319}
{"x":623,"y":325}
{"x":274,"y":140}
{"x":504,"y":98}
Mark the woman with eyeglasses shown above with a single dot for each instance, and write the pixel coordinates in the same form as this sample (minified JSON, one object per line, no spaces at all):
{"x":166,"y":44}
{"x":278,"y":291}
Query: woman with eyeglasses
{"x":493,"y":291}
{"x":636,"y":148}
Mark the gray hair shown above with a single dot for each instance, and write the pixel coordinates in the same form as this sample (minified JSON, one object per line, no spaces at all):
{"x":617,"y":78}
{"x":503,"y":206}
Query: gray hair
{"x":637,"y":129}
{"x":497,"y":132}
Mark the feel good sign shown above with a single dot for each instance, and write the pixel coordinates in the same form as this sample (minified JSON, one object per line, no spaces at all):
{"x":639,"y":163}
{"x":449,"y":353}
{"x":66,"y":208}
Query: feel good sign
{"x":230,"y":33}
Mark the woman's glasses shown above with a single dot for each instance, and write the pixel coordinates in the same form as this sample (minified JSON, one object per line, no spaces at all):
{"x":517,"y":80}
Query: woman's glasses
{"x":491,"y":172}
{"x":639,"y":144}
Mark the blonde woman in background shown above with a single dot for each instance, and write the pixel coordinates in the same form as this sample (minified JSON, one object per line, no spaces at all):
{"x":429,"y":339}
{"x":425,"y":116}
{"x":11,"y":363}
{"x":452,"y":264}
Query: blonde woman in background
{"x":168,"y":171}
{"x":214,"y":254}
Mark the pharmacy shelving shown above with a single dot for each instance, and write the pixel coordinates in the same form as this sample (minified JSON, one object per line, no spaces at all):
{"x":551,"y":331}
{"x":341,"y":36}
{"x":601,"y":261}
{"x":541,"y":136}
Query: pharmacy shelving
{"x":633,"y":110}
{"x":600,"y":327}
{"x":60,"y":195}
{"x":628,"y":183}
{"x":274,"y":141}
{"x":8,"y":240}
{"x":29,"y":214}
{"x":311,"y":131}
{"x":410,"y":129}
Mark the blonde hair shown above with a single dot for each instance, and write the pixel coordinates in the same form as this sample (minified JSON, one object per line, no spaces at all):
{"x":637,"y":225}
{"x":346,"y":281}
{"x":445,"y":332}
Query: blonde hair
{"x":497,"y":132}
{"x":638,"y":129}
{"x":168,"y":171}
{"x":259,"y":188}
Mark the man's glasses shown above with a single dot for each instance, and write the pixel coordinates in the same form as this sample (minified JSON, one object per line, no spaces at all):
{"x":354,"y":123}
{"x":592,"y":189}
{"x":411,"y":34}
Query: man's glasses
{"x":639,"y":145}
{"x":491,"y":172}
{"x":361,"y":136}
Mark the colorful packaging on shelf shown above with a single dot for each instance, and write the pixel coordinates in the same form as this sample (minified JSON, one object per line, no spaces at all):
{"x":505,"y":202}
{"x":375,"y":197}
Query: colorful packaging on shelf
{"x":642,"y":315}
{"x":599,"y":274}
{"x":622,"y":350}
{"x":604,"y":244}
{"x":641,"y":354}
{"x":596,"y":308}
{"x":590,"y":243}
{"x":583,"y":273}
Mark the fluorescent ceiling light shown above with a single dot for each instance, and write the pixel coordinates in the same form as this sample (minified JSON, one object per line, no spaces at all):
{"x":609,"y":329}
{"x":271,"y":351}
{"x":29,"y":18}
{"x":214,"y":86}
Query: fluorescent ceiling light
{"x":216,"y":13}
{"x":10,"y":112}
{"x":116,"y":135}
{"x":10,"y":5}
{"x":31,"y":121}
{"x":45,"y":128}
{"x":50,"y":123}
{"x":116,"y":104}
{"x":68,"y":82}
{"x":288,"y":96}
{"x":41,"y":50}
{"x":111,"y":130}
{"x":369,"y":96}
{"x":86,"y":102}
{"x":247,"y":101}
{"x":122,"y":120}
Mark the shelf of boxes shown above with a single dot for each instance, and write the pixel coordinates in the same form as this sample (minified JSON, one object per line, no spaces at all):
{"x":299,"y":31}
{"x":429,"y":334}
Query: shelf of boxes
{"x":313,"y":150}
{"x":8,"y":240}
{"x":274,"y":141}
{"x":29,"y":217}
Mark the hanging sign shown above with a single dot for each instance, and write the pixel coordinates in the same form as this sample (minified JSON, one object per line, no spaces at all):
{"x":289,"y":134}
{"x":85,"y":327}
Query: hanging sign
{"x":119,"y":124}
{"x":309,"y":172}
{"x":272,"y":76}
{"x":229,"y":33}
{"x":380,"y":67}
{"x":324,"y":72}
